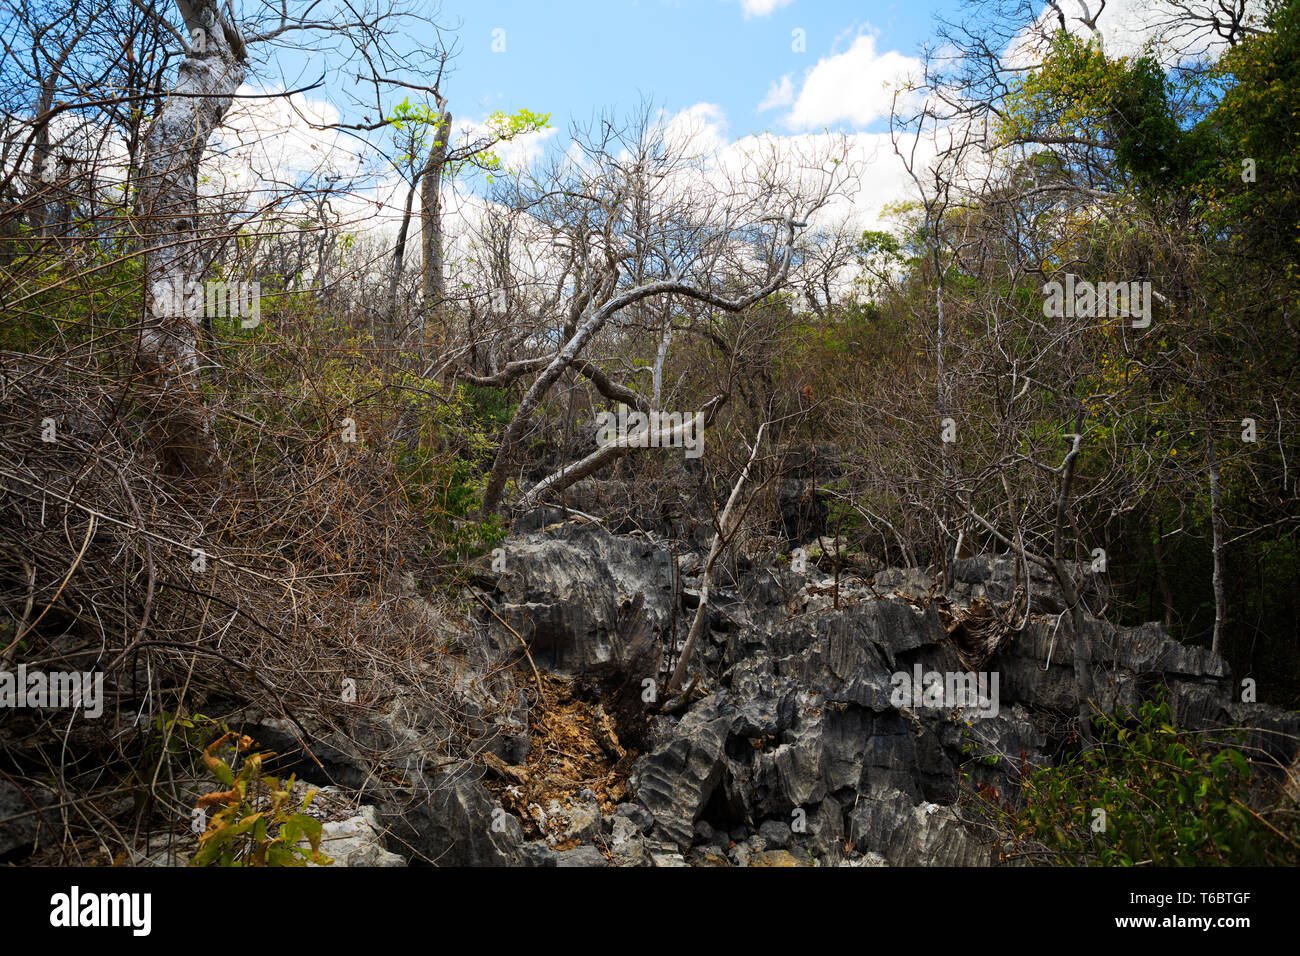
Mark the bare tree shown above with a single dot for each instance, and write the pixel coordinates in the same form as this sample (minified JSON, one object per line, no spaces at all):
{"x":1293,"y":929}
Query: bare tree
{"x":642,"y":220}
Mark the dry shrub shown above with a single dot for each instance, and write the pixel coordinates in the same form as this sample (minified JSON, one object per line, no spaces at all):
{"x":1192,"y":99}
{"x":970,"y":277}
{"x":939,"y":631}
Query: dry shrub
{"x":262,"y":594}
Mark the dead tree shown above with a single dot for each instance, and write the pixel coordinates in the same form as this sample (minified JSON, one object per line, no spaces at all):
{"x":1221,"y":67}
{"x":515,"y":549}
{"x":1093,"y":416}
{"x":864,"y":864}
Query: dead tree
{"x":645,"y":222}
{"x":723,"y":534}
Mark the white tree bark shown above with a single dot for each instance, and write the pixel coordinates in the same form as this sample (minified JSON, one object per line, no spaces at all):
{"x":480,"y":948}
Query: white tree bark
{"x":657,"y":377}
{"x":435,"y":290}
{"x":168,"y":210}
{"x":570,"y":475}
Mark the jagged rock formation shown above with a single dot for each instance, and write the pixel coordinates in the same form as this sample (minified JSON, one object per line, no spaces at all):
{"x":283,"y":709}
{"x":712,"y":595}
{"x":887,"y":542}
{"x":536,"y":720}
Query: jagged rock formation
{"x":797,"y":744}
{"x":794,"y":749}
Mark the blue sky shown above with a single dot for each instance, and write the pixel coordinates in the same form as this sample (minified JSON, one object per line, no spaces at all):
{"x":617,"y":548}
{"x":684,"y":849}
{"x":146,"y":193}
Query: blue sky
{"x":571,"y":58}
{"x":728,"y":68}
{"x":730,"y":72}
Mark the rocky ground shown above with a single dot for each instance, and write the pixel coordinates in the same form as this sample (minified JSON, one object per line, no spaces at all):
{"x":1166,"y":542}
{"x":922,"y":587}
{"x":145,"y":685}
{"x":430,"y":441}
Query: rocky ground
{"x":790,"y":752}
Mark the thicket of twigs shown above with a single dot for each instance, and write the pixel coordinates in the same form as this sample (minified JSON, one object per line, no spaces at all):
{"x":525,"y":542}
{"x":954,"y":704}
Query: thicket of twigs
{"x":297,"y":575}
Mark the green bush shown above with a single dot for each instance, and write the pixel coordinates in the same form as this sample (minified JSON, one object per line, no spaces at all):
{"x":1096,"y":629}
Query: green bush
{"x":1167,"y":799}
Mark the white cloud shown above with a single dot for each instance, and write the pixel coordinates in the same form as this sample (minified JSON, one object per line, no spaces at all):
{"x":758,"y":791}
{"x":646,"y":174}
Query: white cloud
{"x":270,"y":145}
{"x":855,"y":87}
{"x":878,"y":176}
{"x":778,"y":94}
{"x":286,"y":137}
{"x":1129,"y":27}
{"x":699,"y":129}
{"x":762,"y":8}
{"x":266,"y":146}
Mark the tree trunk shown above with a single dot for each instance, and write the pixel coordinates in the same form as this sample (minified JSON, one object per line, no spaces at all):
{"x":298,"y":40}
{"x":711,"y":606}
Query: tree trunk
{"x":1162,"y":576}
{"x":168,"y":211}
{"x":945,"y":448}
{"x":1216,"y":526}
{"x":42,"y":148}
{"x":1082,"y":649}
{"x":43,"y":177}
{"x":399,"y":259}
{"x":435,"y":287}
{"x":720,"y":538}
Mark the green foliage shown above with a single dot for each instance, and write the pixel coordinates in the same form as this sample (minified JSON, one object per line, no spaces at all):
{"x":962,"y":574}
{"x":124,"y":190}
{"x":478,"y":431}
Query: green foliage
{"x":878,"y":254}
{"x":415,"y":124}
{"x":1168,"y":800}
{"x":1259,"y":120}
{"x":254,"y":825}
{"x":50,"y":298}
{"x":1149,"y":141}
{"x":1079,"y":93}
{"x":1070,"y":95}
{"x":179,"y":734}
{"x":491,"y":407}
{"x":447,"y":489}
